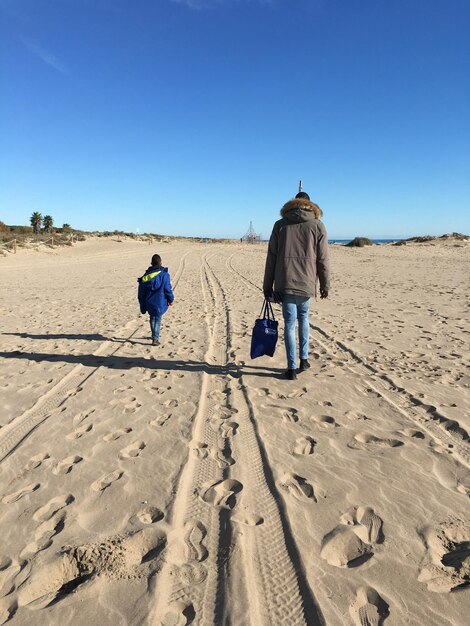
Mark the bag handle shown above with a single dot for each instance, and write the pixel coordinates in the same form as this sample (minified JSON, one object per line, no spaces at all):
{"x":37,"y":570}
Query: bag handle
{"x":267,"y":311}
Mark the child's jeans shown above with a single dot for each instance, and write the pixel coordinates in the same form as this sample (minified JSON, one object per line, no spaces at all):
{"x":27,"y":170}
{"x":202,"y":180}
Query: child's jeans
{"x":155,"y":321}
{"x":295,"y":308}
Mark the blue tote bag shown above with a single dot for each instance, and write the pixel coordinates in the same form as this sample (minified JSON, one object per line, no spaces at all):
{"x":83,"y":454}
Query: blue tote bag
{"x":265,"y":333}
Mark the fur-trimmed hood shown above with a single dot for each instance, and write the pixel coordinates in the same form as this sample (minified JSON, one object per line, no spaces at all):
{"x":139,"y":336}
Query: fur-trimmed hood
{"x":301,"y":210}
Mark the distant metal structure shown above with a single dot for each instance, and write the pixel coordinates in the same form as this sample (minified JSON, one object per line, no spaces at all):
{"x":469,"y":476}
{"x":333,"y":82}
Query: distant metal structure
{"x":251,"y":236}
{"x":300,"y":186}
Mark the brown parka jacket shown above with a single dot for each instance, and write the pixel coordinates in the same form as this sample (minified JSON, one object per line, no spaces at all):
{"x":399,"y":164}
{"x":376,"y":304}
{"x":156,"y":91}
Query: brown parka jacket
{"x":297,"y":251}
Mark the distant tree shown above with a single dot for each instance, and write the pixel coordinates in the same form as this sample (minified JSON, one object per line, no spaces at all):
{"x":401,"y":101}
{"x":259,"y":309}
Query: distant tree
{"x":47,"y":223}
{"x":36,"y":219}
{"x":66,"y":228}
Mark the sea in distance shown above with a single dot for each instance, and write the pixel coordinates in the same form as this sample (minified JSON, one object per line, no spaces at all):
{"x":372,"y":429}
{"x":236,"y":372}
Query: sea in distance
{"x":345,"y":241}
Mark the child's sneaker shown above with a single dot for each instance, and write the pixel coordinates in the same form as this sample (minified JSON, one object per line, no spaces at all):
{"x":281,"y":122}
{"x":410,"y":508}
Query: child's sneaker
{"x":154,"y":342}
{"x":304,"y":365}
{"x":291,"y":375}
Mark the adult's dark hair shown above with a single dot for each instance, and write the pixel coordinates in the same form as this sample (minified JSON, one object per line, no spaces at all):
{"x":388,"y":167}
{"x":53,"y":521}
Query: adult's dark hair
{"x":303,"y":195}
{"x":156,"y":260}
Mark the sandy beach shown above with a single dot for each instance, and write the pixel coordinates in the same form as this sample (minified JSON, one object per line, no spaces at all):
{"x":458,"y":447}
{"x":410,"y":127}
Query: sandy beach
{"x":187,"y":484}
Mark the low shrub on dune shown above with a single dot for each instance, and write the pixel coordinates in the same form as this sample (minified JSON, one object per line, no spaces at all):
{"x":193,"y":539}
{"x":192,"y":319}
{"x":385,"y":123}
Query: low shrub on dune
{"x":359,"y":242}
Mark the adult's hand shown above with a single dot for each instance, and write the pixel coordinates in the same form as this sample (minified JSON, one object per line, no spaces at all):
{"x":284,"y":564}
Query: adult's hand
{"x":323,"y":293}
{"x":268,"y":294}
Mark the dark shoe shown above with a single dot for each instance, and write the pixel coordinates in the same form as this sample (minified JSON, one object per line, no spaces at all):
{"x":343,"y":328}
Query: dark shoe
{"x":154,"y":342}
{"x":291,"y":375}
{"x":304,"y":365}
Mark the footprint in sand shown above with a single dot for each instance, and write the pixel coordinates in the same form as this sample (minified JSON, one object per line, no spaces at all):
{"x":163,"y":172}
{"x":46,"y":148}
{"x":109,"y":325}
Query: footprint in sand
{"x":132,"y":450}
{"x":178,"y":614}
{"x":290,"y":416}
{"x":122,"y":389}
{"x":36,"y":461}
{"x":5,"y":562}
{"x":198,"y":449}
{"x":8,"y":607}
{"x":80,"y":431}
{"x":221,"y":494}
{"x":66,"y":465}
{"x":161,"y":420}
{"x":150,"y":515}
{"x":107,"y":480}
{"x":297,"y":487}
{"x":350,"y":543}
{"x":368,"y":609}
{"x":45,"y":513}
{"x":262,"y":391}
{"x":44,"y":534}
{"x":191,"y":573}
{"x":446,"y":566}
{"x":304,"y":446}
{"x":17,"y":495}
{"x":369,"y":441}
{"x":372,"y":393}
{"x":216,"y":396}
{"x":194,"y":534}
{"x":81,"y":417}
{"x":452,"y":475}
{"x":221,"y":457}
{"x":171,"y":403}
{"x":325,"y":420}
{"x":74,"y":392}
{"x":228,"y":429}
{"x":129,"y":404}
{"x":159,"y":391}
{"x":369,"y":527}
{"x":355,"y":416}
{"x":7,"y":586}
{"x":413,"y":433}
{"x":298,"y":394}
{"x":223,"y":412}
{"x":441,"y":448}
{"x":117,"y":434}
{"x":341,"y":547}
{"x":248,"y":518}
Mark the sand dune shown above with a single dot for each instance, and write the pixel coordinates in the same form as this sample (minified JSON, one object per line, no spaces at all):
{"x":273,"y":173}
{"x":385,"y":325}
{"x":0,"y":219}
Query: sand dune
{"x":187,"y":484}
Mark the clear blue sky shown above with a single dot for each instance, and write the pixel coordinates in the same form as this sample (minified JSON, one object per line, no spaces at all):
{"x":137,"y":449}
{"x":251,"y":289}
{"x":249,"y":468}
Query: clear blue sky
{"x":193,"y":117}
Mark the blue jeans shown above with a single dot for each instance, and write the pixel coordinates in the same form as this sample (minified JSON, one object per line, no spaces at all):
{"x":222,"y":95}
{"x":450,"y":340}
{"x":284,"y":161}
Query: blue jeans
{"x":295,"y":308}
{"x":155,"y":321}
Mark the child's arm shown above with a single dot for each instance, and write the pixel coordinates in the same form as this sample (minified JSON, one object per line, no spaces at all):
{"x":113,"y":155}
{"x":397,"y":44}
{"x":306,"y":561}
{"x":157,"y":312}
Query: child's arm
{"x":141,"y":297}
{"x":168,"y":291}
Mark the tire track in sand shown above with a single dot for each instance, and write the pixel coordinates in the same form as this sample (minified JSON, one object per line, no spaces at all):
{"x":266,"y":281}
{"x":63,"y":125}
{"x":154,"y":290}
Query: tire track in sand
{"x":189,"y":586}
{"x":278,"y":593}
{"x":22,"y":426}
{"x":445,"y":430}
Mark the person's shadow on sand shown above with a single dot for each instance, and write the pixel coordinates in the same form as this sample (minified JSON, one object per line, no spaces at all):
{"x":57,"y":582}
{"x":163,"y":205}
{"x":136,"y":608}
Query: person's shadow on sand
{"x":85,"y":337}
{"x":126,"y":363}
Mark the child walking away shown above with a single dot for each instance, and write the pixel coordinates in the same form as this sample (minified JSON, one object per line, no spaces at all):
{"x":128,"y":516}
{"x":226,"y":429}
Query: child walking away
{"x":155,"y":295}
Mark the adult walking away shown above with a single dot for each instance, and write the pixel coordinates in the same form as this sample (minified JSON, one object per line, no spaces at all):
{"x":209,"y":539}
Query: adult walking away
{"x":155,"y":295}
{"x":297,"y":258}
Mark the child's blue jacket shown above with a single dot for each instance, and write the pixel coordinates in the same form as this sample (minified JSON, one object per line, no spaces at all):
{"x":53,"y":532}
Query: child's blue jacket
{"x":155,"y":292}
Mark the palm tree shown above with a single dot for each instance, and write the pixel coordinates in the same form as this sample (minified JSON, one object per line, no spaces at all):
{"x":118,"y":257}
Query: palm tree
{"x":66,"y":228}
{"x":36,"y":219}
{"x":47,"y":222}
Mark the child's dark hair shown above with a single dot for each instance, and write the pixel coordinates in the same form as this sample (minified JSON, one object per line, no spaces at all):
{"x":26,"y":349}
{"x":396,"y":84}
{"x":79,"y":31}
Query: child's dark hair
{"x":156,"y":260}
